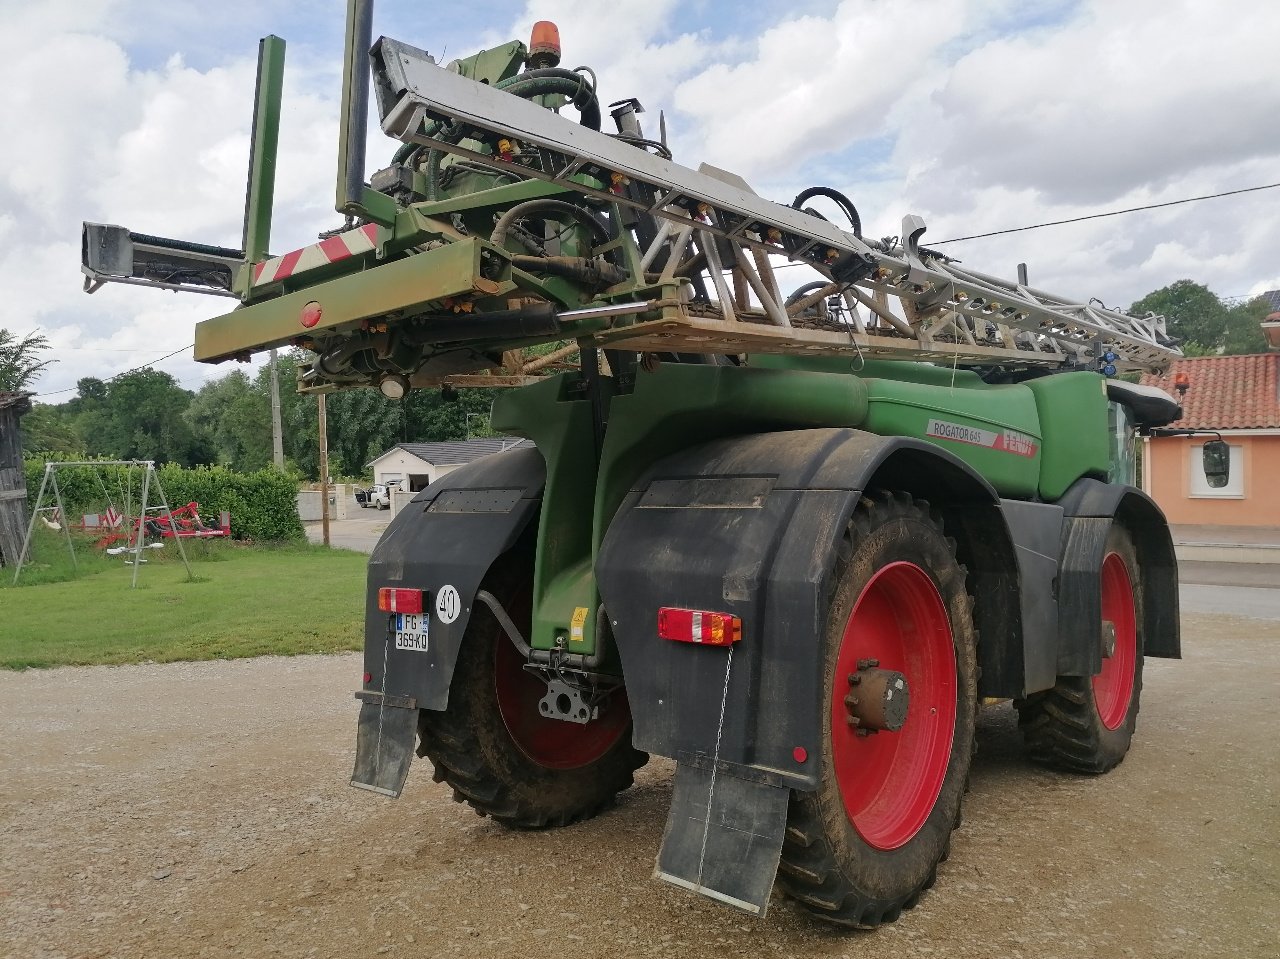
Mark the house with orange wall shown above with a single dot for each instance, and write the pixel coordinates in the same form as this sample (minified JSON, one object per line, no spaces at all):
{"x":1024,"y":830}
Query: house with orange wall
{"x":1239,"y":397}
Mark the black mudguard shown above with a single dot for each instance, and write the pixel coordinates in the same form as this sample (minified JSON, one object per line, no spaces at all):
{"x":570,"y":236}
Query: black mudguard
{"x":747,"y":526}
{"x":447,"y":536}
{"x":1090,"y":508}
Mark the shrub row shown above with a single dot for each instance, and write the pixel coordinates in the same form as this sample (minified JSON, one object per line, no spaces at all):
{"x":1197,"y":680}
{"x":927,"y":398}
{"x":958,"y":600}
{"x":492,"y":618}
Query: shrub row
{"x":263,"y":505}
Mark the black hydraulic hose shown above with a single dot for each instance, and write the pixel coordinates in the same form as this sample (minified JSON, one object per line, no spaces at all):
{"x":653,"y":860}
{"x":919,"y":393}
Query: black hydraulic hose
{"x":532,"y":320}
{"x":505,"y":622}
{"x":331,"y":362}
{"x":587,"y":219}
{"x":576,"y":268}
{"x":801,"y":292}
{"x":841,"y":200}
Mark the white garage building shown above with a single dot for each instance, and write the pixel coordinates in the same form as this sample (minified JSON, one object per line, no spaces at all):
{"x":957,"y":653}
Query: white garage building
{"x":418,"y":465}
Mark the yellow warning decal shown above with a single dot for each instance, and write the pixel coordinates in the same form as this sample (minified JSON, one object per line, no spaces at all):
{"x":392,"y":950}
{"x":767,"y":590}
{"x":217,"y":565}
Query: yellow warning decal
{"x":577,"y":624}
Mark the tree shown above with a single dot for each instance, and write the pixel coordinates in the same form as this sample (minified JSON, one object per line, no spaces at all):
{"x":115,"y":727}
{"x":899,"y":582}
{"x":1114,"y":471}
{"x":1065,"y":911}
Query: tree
{"x":20,"y":360}
{"x":1205,"y":325}
{"x":139,"y":416}
{"x":51,"y":428}
{"x":364,"y":424}
{"x":232,"y":416}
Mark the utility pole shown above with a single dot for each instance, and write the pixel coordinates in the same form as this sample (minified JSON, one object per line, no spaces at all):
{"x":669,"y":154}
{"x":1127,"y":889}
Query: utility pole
{"x":324,"y":470}
{"x":277,"y":434}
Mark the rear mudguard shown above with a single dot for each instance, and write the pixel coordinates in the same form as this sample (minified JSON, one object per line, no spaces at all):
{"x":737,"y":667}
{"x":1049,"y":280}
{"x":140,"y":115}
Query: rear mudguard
{"x":747,"y":526}
{"x":442,"y":542}
{"x":448,"y":536}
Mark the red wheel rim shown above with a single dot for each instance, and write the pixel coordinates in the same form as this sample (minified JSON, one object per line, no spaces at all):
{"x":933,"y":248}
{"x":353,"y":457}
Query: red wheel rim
{"x":552,"y":743}
{"x":1113,"y":687}
{"x":890,"y":781}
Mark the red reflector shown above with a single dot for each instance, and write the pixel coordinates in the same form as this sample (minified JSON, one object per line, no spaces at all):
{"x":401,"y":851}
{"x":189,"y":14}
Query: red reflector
{"x":698,"y":626}
{"x":368,"y":677}
{"x":399,"y":600}
{"x":311,"y":314}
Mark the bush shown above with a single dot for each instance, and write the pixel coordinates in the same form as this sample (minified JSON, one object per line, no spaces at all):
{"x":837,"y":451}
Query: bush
{"x":263,"y":505}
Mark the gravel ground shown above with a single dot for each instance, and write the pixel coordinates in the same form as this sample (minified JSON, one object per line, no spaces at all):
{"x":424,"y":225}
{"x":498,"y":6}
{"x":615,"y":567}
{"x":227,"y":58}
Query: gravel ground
{"x":202,"y":810}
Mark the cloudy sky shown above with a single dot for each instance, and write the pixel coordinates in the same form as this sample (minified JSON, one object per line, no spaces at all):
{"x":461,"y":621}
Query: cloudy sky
{"x":979,"y":115}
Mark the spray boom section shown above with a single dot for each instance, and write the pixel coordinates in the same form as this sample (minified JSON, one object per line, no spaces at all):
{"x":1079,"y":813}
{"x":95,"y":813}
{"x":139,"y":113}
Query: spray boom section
{"x":511,"y":231}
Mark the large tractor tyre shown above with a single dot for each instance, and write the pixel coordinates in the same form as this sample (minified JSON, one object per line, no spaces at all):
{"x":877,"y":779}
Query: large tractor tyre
{"x":867,"y":843}
{"x":498,"y":752}
{"x":1086,"y":723}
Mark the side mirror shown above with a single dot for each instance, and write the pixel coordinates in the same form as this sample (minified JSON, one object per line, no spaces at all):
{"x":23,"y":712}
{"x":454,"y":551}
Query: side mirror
{"x":1216,"y":460}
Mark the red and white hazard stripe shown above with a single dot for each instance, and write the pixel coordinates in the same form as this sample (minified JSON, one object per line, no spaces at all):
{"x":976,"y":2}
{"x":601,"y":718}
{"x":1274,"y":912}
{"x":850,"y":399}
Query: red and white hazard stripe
{"x":330,"y":250}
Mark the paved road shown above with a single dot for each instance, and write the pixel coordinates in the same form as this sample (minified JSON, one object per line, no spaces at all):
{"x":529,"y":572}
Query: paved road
{"x":360,"y":531}
{"x":1250,"y":602}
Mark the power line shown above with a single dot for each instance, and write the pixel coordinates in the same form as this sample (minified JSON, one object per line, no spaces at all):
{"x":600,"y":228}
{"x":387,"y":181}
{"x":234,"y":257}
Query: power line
{"x":105,"y":349}
{"x":72,"y":389}
{"x":1098,"y":216}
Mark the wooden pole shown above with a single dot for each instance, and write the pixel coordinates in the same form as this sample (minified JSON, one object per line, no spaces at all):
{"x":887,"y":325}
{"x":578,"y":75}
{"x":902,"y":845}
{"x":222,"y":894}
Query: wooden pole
{"x":324,"y":470}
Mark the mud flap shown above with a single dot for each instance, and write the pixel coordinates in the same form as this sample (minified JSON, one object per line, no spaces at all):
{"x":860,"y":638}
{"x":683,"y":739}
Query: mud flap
{"x":384,"y":743}
{"x":724,"y":835}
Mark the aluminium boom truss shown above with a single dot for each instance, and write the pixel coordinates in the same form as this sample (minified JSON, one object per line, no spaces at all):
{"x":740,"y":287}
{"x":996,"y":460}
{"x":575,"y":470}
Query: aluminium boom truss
{"x":946,"y":313}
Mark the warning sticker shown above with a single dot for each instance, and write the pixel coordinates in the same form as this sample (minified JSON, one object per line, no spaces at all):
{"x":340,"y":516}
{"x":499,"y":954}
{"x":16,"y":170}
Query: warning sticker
{"x":1007,"y":441}
{"x":577,"y":624}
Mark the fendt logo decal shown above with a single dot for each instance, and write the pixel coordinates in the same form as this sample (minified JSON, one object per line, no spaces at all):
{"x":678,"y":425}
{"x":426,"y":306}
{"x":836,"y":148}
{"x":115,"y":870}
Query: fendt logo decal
{"x":1008,"y":441}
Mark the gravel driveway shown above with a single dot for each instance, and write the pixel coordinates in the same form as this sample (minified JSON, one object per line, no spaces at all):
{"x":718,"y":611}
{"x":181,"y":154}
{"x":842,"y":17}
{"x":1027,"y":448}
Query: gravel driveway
{"x":202,"y":810}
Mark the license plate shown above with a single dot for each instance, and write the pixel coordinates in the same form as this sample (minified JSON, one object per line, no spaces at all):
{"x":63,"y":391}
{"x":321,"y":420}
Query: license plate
{"x":411,"y":631}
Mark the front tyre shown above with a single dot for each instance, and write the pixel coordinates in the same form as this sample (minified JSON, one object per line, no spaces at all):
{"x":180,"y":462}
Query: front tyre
{"x":867,"y":843}
{"x":497,"y":751}
{"x":1086,"y":724}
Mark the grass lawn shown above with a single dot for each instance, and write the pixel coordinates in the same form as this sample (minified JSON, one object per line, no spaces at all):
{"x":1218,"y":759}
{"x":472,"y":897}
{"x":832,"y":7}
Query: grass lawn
{"x":245,"y":601}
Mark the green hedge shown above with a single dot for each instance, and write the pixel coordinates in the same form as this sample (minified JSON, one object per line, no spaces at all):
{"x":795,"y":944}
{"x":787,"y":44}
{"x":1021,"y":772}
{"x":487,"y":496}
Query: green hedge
{"x":263,"y":505}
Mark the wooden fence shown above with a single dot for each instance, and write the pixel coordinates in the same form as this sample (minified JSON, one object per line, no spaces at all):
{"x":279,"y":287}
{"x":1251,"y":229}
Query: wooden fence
{"x":13,"y":482}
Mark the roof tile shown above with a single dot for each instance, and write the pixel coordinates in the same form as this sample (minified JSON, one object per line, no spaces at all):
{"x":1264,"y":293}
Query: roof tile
{"x":1226,"y":392}
{"x":462,"y":451}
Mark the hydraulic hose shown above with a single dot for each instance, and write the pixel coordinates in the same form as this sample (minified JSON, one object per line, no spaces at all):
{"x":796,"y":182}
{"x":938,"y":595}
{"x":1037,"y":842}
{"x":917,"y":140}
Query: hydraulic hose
{"x":584,"y":217}
{"x":840,"y":199}
{"x":801,"y":292}
{"x":576,"y":268}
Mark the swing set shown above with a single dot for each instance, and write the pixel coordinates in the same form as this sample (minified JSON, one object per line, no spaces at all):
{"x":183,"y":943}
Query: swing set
{"x":122,"y":532}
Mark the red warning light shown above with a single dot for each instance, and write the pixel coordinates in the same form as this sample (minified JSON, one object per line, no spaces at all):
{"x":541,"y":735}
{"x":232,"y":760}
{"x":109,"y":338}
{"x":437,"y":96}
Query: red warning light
{"x":392,"y":600}
{"x":704,"y":627}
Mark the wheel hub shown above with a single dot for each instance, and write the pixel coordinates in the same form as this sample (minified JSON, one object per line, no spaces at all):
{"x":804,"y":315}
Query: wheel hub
{"x":877,"y":700}
{"x":1108,"y":639}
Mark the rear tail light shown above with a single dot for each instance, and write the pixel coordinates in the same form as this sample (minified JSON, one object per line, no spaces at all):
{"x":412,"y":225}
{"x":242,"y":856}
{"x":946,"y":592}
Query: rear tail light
{"x":698,"y":626}
{"x":399,"y":600}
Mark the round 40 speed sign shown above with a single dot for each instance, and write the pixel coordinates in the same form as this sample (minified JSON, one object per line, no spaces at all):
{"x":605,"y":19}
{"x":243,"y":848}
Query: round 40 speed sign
{"x":448,"y":604}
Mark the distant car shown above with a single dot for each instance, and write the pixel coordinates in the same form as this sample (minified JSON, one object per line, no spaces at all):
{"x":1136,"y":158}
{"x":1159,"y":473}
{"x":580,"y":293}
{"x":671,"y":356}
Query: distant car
{"x":379,"y":496}
{"x":362,"y":497}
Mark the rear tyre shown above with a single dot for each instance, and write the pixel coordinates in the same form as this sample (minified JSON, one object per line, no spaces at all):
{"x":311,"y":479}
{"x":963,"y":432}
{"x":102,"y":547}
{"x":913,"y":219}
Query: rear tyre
{"x":1086,"y":724}
{"x":498,"y":752}
{"x":867,"y":843}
